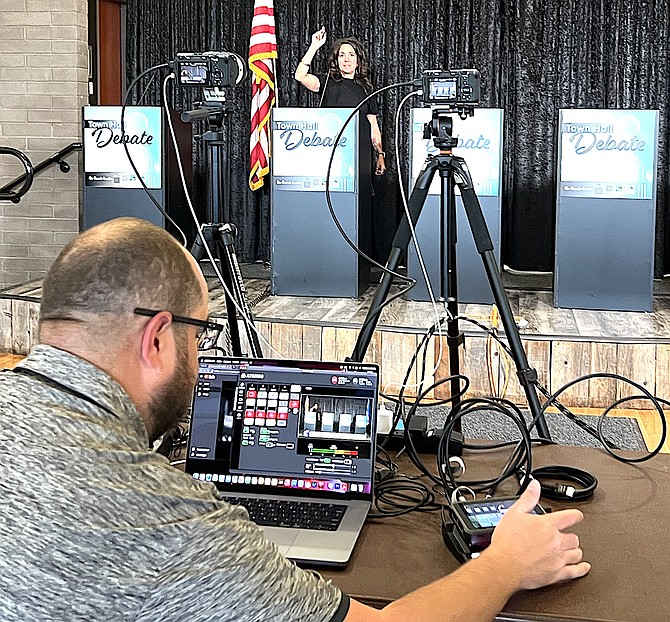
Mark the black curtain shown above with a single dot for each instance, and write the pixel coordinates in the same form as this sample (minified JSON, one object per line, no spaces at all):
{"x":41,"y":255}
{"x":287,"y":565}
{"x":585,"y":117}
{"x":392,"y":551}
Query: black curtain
{"x":535,"y":57}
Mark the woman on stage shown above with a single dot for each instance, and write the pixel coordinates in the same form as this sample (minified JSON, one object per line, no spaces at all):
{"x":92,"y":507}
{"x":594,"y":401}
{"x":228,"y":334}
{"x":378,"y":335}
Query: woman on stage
{"x":346,"y":84}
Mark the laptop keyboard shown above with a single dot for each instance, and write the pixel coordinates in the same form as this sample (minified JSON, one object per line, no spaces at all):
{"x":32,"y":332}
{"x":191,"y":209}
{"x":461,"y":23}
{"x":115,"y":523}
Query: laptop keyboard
{"x":298,"y":514}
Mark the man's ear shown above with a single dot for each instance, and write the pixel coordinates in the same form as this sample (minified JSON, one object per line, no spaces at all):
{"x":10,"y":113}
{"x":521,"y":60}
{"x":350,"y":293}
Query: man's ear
{"x":154,"y":339}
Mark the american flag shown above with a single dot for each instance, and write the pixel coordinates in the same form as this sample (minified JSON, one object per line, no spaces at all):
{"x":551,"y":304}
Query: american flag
{"x":262,"y":55}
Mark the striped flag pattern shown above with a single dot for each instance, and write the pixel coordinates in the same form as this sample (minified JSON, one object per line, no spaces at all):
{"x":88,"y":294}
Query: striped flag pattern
{"x":262,"y":55}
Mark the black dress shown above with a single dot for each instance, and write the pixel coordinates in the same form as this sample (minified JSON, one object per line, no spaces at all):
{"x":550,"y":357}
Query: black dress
{"x":347,"y":93}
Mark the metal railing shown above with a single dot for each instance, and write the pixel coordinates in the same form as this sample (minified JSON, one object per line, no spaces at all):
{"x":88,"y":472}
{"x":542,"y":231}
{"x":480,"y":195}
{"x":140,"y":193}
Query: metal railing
{"x":25,"y":181}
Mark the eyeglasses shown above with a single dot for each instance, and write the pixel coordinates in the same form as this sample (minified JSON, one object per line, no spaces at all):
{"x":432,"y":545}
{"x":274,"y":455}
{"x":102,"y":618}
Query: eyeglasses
{"x":207,"y":335}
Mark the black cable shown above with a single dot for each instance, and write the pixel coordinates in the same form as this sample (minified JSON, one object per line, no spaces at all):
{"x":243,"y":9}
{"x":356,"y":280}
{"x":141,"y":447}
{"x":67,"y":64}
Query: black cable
{"x":130,"y":159}
{"x":412,"y":453}
{"x":411,"y":282}
{"x":504,"y":444}
{"x":552,"y":479}
{"x":597,"y":433}
{"x":399,"y":410}
{"x":540,"y":387}
{"x":398,"y":495}
{"x":516,"y":459}
{"x":664,"y":425}
{"x":572,"y":417}
{"x":20,"y":297}
{"x":266,"y":293}
{"x":385,"y":460}
{"x":146,"y":89}
{"x":520,"y":459}
{"x":522,"y":449}
{"x":433,"y":401}
{"x":553,"y":400}
{"x":357,"y":250}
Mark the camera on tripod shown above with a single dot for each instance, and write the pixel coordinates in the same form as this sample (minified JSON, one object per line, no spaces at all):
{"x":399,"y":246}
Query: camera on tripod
{"x":208,"y":69}
{"x":455,"y":88}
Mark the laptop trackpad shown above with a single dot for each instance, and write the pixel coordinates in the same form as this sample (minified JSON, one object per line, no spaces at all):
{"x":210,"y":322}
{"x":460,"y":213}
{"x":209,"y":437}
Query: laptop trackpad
{"x":281,"y":536}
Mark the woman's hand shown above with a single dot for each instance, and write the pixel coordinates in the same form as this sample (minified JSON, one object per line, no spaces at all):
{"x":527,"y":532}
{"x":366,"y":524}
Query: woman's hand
{"x":380,"y":169}
{"x":319,"y":38}
{"x":302,"y":74}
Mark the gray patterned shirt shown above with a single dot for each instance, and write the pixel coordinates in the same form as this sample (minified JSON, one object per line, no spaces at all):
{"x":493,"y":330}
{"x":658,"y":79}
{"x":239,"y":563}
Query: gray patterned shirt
{"x":93,"y":526}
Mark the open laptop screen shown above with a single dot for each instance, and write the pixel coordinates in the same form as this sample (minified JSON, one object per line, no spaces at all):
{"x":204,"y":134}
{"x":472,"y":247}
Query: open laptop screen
{"x":284,"y":426}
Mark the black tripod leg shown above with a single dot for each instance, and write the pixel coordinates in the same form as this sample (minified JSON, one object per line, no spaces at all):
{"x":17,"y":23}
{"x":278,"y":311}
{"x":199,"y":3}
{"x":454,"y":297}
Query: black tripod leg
{"x":399,"y":244}
{"x":226,"y":167}
{"x":449,"y":283}
{"x":236,"y":285}
{"x":527,"y":375}
{"x":231,"y":311}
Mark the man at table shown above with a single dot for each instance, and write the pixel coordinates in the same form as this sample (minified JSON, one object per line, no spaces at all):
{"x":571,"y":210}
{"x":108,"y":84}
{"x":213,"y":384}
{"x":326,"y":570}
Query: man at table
{"x":94,"y":526}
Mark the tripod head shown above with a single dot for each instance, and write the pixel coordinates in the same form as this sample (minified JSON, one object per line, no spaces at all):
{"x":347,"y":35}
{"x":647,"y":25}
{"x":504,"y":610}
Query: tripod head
{"x":212,"y":109}
{"x":441,"y":126}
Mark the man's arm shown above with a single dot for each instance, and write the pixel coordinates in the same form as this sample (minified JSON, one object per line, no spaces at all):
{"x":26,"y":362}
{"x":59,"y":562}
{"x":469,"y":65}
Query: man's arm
{"x":527,"y":551}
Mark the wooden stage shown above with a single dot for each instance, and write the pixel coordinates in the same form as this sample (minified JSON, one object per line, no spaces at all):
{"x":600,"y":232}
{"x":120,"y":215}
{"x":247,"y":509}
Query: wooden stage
{"x":561,"y":344}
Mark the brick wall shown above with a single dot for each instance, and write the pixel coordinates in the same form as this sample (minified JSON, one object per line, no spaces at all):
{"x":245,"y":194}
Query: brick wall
{"x":43,"y":85}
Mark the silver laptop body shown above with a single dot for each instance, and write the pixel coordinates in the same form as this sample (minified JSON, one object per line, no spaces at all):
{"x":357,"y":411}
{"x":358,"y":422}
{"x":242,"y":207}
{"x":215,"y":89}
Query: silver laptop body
{"x":289,"y":431}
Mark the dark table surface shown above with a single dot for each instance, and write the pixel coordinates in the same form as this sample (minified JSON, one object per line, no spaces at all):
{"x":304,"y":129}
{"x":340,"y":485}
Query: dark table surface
{"x":624,"y":535}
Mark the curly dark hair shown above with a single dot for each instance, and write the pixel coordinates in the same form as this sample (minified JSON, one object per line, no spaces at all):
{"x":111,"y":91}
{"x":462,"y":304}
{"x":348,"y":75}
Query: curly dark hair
{"x":362,"y":76}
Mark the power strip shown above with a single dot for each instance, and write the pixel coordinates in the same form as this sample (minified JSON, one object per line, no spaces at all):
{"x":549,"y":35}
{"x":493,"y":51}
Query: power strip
{"x":425,"y":440}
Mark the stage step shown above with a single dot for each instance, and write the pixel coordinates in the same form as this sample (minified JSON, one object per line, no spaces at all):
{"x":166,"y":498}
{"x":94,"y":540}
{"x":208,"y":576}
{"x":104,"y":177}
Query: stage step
{"x":561,"y":344}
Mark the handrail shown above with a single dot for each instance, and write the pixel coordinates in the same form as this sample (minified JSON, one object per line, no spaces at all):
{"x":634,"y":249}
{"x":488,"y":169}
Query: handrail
{"x":56,"y":158}
{"x":27,"y":178}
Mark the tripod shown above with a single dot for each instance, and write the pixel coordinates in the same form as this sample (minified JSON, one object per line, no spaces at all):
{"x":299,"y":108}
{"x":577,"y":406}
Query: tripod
{"x":453,"y":170}
{"x":216,"y":113}
{"x":221,"y":238}
{"x":218,"y":236}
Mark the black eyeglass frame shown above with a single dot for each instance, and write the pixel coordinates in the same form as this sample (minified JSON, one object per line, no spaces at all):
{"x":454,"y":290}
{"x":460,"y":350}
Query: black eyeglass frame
{"x":181,"y":319}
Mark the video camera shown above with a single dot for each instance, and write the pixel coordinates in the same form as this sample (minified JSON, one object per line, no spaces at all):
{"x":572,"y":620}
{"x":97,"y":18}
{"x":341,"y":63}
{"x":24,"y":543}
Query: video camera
{"x":208,"y":69}
{"x":457,"y":88}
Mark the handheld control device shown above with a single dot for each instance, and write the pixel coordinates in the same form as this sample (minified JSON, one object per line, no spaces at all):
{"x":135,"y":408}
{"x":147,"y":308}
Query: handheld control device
{"x":472,"y":523}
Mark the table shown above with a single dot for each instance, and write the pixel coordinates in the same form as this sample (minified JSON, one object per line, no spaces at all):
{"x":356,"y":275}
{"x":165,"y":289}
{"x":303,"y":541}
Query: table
{"x":623,"y":535}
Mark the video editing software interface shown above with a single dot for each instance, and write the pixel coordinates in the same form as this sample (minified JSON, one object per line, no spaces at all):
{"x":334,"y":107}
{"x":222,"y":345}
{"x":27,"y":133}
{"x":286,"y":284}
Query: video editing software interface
{"x":265,"y":425}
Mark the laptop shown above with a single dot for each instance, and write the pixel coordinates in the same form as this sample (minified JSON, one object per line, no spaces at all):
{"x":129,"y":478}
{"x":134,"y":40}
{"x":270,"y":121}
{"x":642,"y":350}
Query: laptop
{"x":294,"y":442}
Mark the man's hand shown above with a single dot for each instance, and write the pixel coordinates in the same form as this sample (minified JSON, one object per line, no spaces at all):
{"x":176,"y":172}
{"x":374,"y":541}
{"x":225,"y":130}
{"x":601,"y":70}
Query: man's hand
{"x":535,"y":546}
{"x":527,"y":551}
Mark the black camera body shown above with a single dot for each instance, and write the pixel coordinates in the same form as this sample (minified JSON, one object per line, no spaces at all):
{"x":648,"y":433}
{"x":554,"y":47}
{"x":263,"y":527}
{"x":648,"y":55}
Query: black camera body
{"x":457,"y":88}
{"x":209,"y":69}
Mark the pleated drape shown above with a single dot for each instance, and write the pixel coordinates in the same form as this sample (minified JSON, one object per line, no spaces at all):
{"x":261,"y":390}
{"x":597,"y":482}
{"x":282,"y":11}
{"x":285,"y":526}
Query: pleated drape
{"x":535,"y":57}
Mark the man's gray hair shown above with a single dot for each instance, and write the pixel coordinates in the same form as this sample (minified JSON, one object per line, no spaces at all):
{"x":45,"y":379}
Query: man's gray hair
{"x":115,"y":267}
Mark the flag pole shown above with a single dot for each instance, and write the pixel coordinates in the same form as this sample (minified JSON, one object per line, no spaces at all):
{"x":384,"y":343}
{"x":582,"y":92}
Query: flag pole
{"x":275,"y":70}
